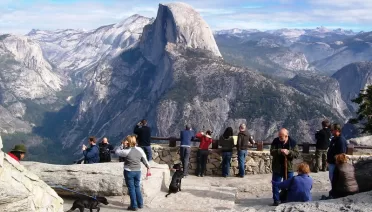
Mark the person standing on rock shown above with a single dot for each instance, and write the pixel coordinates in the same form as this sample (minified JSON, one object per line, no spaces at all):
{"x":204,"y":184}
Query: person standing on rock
{"x":105,"y":151}
{"x":283,"y":150}
{"x":323,"y":138}
{"x":337,"y":146}
{"x":133,"y":157}
{"x":143,"y":133}
{"x":245,"y":140}
{"x":186,"y":136}
{"x":91,"y":154}
{"x":203,"y":152}
{"x":18,"y":152}
{"x":227,"y":144}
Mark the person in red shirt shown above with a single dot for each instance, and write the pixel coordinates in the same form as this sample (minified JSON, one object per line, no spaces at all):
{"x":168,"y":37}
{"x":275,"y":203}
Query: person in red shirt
{"x":18,"y":152}
{"x":202,"y":155}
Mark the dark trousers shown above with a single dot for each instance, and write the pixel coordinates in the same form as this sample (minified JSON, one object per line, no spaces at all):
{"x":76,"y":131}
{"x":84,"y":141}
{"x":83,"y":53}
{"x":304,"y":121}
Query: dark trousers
{"x":226,"y":160}
{"x":241,"y":161}
{"x":202,"y":157}
{"x":132,"y":180}
{"x":321,"y":160}
{"x":148,"y":152}
{"x":278,"y":178}
{"x":185,"y":157}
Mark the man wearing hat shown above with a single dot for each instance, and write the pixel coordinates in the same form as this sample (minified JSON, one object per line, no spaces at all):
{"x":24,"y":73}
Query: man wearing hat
{"x":18,"y":152}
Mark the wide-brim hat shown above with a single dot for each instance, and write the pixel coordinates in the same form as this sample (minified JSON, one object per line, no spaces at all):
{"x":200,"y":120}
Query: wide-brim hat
{"x":19,"y":148}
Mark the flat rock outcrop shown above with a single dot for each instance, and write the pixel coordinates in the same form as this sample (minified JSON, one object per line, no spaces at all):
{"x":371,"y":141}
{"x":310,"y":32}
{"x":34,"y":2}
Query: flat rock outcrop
{"x":99,"y":179}
{"x":363,"y":174}
{"x":22,"y":190}
{"x":359,"y":202}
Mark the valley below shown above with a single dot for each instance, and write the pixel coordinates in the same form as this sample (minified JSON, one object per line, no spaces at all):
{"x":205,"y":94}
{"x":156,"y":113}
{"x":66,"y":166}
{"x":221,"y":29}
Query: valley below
{"x":59,"y":87}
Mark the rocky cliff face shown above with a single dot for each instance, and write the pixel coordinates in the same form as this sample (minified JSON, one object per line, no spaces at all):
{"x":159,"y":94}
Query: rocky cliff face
{"x":353,"y":78}
{"x":26,"y":76}
{"x":78,"y":52}
{"x":176,"y":76}
{"x":323,"y":88}
{"x":263,"y":51}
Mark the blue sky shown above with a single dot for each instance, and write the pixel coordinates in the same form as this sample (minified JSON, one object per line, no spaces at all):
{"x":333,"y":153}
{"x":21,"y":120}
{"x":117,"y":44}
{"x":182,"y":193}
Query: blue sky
{"x":20,"y":16}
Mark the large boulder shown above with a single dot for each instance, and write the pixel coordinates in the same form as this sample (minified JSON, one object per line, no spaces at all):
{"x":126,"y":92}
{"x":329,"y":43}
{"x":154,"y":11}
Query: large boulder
{"x":362,"y":141}
{"x":93,"y":179}
{"x":363,"y":174}
{"x":22,"y":190}
{"x":99,"y":179}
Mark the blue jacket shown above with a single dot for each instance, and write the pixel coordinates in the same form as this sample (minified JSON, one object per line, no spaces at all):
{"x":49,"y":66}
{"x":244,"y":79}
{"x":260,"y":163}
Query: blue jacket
{"x":299,"y":189}
{"x":91,"y":154}
{"x":337,"y":146}
{"x":186,"y":137}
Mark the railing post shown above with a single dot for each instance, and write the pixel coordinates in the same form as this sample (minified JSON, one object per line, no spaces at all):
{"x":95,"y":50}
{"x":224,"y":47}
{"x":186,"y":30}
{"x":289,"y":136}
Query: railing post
{"x":305,"y":147}
{"x":350,"y":149}
{"x":260,"y":146}
{"x":172,"y":142}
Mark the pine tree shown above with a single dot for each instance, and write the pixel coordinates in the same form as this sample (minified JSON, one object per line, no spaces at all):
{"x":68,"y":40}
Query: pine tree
{"x":364,"y":113}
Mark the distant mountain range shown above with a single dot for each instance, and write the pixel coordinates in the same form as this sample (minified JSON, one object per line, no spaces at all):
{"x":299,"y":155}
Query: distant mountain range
{"x":59,"y":87}
{"x":321,"y":50}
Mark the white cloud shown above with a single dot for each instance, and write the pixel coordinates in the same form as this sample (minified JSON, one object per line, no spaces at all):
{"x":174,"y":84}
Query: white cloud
{"x":263,"y":14}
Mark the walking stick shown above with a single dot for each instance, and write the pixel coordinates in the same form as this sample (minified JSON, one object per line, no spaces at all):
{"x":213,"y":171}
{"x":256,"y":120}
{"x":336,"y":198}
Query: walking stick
{"x":285,"y":168}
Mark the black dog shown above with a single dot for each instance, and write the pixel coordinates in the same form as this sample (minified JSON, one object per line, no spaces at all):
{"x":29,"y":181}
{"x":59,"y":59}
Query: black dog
{"x":88,"y":202}
{"x":175,"y":185}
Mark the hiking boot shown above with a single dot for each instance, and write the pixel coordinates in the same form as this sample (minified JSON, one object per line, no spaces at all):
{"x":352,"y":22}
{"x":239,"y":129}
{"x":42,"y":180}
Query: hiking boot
{"x":276,"y":203}
{"x":131,"y":209}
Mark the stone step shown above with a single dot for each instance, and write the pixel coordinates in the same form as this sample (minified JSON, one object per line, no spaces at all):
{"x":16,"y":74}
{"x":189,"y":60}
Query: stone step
{"x":197,"y":198}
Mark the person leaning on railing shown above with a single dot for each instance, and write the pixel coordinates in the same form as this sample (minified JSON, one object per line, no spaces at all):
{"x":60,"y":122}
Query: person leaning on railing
{"x":226,"y":142}
{"x":203,"y":152}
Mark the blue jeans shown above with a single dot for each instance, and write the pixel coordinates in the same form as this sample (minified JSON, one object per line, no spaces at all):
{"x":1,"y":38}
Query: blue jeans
{"x":226,"y":159}
{"x":148,"y":152}
{"x":278,"y":178}
{"x":241,"y":161}
{"x":185,"y":157}
{"x":331,"y":169}
{"x":132,"y":180}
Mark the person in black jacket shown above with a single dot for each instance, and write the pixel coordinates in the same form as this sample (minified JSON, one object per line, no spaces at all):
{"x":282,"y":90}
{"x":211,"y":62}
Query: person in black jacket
{"x":245,"y":140}
{"x":143,"y":133}
{"x":337,"y":146}
{"x":105,"y":151}
{"x":227,"y":144}
{"x":323,"y":137}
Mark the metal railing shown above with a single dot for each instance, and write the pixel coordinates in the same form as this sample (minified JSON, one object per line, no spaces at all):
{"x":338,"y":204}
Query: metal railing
{"x":260,"y":145}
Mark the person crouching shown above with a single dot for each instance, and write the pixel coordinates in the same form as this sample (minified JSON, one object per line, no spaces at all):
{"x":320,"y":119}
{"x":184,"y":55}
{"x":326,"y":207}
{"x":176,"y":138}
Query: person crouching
{"x":298,"y":187}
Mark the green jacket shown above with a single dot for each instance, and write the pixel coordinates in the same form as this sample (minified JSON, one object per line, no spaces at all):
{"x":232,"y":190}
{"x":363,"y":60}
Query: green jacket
{"x":278,"y":157}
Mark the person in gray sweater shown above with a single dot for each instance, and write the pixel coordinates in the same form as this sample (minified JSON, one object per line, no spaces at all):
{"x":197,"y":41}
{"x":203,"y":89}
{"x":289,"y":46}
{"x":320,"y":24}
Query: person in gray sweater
{"x":133,"y":157}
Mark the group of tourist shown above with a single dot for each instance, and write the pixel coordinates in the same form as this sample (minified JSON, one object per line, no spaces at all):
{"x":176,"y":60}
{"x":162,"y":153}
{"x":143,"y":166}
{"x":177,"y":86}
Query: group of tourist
{"x":226,"y":142}
{"x":135,"y":149}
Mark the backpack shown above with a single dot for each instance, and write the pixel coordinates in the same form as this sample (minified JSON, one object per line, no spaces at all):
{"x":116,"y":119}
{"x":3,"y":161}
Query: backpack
{"x":104,"y":152}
